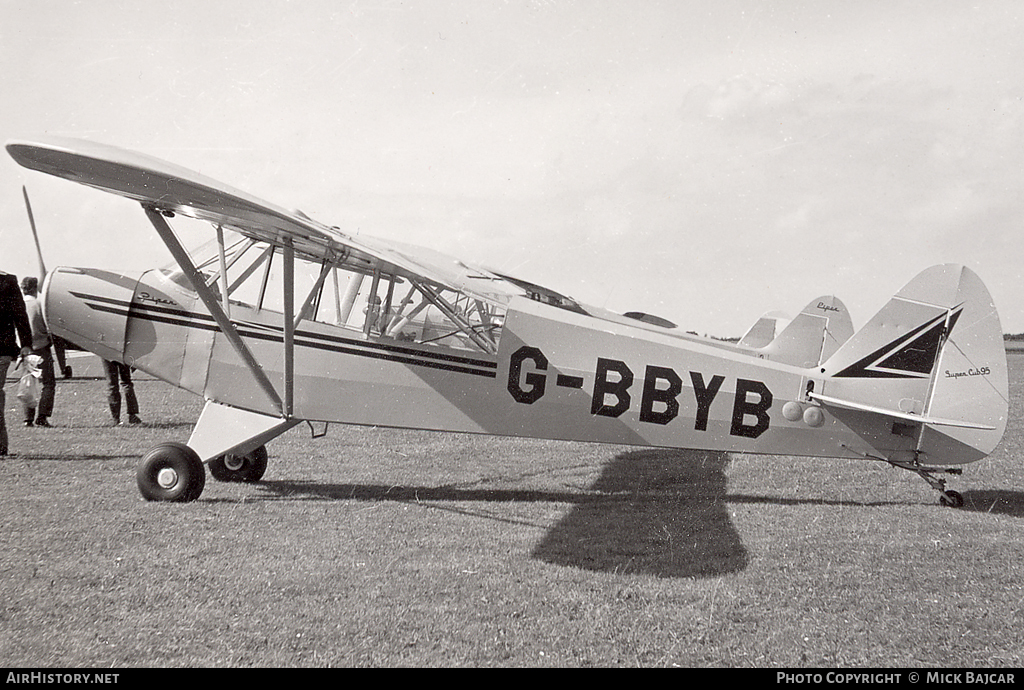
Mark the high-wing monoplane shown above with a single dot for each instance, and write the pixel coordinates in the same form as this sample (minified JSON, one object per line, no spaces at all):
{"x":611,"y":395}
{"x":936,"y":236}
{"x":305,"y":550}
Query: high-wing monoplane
{"x":288,"y":320}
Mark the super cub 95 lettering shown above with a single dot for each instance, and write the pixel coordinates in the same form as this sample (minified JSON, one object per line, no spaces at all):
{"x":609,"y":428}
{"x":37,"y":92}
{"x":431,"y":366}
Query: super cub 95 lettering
{"x":659,"y":397}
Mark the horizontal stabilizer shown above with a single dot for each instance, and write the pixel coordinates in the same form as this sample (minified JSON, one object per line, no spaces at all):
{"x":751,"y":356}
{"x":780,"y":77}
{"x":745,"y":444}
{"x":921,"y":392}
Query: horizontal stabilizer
{"x":937,"y":421}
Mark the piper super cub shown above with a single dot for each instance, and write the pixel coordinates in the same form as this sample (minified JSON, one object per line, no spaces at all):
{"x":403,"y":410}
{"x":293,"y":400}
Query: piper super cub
{"x":290,"y":320}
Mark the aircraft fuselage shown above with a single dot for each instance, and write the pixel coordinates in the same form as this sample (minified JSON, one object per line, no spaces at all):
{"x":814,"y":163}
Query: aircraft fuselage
{"x":556,"y":374}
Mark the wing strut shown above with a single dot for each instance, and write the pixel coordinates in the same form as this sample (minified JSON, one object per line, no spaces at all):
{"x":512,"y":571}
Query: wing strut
{"x":223,"y":271}
{"x":289,"y":324}
{"x":210,"y":301}
{"x":311,"y":304}
{"x":252,"y":268}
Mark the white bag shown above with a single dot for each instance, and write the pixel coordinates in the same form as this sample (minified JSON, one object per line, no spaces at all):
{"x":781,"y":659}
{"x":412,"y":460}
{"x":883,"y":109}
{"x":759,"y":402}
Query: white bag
{"x":29,"y":387}
{"x":28,"y":390}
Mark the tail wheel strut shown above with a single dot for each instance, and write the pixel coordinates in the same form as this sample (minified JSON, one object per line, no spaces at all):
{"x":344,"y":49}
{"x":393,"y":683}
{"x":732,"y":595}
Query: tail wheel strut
{"x":950,"y":498}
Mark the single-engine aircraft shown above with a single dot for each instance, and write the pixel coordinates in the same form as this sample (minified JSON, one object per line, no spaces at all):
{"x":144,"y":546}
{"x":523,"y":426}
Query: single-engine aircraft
{"x":374,"y":332}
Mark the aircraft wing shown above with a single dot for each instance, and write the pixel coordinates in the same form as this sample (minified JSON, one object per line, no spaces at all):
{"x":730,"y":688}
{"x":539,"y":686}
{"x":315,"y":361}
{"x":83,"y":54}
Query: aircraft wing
{"x":170,"y":188}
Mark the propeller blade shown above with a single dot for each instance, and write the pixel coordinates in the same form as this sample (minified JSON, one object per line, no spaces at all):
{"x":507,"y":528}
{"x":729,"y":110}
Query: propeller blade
{"x":58,"y":344}
{"x":35,"y":235}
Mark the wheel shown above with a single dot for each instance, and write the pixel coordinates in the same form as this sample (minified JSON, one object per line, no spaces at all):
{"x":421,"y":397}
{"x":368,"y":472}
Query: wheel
{"x":952,"y":499}
{"x":240,"y":468}
{"x":170,"y":472}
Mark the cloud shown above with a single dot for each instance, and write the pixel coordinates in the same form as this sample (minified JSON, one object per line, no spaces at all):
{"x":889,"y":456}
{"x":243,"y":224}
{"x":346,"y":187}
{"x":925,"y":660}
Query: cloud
{"x":689,"y":157}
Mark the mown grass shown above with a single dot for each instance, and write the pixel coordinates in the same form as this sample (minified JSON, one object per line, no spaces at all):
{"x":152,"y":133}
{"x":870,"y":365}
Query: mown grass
{"x":375,"y":547}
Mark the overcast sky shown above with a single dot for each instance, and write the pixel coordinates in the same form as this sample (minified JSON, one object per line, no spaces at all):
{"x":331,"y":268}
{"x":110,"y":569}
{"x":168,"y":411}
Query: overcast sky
{"x":705,"y":161}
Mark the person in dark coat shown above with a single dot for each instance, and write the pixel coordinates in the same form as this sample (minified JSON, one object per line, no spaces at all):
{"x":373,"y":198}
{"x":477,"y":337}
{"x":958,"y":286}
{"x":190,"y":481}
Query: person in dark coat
{"x":13,"y":322}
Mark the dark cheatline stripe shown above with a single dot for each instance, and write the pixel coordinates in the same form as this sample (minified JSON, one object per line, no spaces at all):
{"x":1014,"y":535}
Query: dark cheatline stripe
{"x":381,"y":351}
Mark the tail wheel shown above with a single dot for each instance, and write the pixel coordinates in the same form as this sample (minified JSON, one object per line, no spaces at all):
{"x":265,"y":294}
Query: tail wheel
{"x":953,"y":499}
{"x":171,"y":472}
{"x":249,"y":467}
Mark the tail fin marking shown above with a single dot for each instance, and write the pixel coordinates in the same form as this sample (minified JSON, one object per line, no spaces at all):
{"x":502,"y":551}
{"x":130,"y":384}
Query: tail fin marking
{"x":911,"y":355}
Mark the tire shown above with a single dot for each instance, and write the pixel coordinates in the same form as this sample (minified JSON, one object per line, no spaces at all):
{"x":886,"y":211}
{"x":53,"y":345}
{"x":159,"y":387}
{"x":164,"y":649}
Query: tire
{"x":170,"y":472}
{"x":952,"y":499}
{"x":247,"y":468}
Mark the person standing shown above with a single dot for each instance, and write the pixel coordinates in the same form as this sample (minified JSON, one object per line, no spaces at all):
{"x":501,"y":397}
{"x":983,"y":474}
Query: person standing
{"x":41,"y":347}
{"x":13,"y":321}
{"x":118,"y":373}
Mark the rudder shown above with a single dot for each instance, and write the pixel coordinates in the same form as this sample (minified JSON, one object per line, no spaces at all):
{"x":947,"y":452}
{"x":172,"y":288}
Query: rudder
{"x":970,"y":379}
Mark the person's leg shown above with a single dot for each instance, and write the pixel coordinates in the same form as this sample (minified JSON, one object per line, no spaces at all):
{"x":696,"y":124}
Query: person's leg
{"x":113,"y":391}
{"x":5,"y":363}
{"x":49,"y":392}
{"x":131,"y":402}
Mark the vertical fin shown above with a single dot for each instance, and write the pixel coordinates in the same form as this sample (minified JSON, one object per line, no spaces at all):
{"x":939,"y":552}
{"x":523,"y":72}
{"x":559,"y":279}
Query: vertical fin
{"x":934,"y":350}
{"x":814,"y":335}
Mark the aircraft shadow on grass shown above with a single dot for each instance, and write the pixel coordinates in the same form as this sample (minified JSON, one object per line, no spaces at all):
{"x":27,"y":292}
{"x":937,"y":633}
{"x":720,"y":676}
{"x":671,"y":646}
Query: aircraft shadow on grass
{"x":663,"y":513}
{"x":995,"y":501}
{"x":660,"y":512}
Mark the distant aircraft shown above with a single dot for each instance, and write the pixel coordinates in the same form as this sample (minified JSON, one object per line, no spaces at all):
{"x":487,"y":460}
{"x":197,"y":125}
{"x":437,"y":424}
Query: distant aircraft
{"x":290,"y":320}
{"x":808,"y":340}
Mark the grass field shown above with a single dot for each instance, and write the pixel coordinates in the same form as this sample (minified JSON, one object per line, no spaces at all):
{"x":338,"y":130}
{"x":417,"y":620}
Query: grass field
{"x":375,"y":547}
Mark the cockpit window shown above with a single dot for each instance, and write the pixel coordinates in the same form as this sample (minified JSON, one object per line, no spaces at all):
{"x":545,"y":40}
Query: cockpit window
{"x":545,"y":295}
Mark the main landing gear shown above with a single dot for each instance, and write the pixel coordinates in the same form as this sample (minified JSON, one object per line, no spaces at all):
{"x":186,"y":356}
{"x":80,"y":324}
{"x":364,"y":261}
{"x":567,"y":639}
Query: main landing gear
{"x":172,"y":471}
{"x":240,"y":468}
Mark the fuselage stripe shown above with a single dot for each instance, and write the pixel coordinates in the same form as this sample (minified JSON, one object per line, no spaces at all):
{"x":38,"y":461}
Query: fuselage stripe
{"x":304,"y":338}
